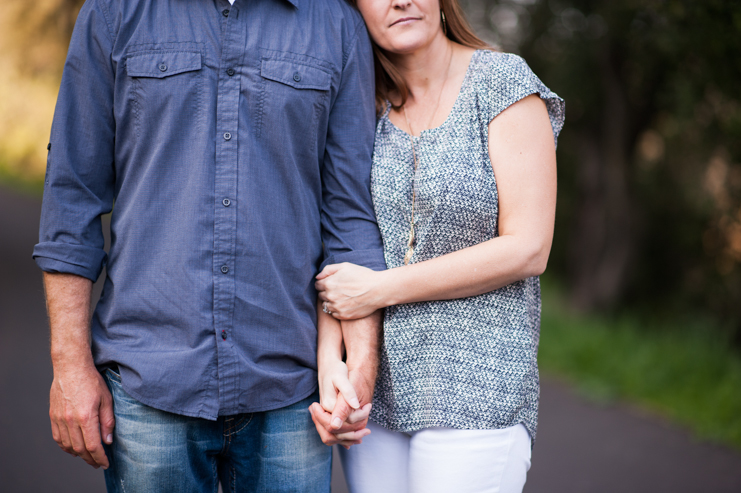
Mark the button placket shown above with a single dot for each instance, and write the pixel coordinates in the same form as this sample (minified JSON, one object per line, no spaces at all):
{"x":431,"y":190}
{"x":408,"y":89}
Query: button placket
{"x":234,"y":33}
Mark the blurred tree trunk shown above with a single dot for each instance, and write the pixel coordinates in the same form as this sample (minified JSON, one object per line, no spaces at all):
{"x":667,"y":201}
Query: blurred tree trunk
{"x":603,"y":241}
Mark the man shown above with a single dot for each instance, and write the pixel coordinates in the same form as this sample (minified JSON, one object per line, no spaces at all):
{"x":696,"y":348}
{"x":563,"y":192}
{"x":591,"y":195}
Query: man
{"x":235,"y":141}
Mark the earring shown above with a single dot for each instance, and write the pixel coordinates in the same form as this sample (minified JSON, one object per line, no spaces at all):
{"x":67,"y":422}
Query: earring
{"x":445,"y":24}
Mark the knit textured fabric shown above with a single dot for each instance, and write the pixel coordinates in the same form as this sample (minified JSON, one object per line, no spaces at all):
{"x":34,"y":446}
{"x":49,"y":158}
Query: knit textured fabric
{"x":467,"y":363}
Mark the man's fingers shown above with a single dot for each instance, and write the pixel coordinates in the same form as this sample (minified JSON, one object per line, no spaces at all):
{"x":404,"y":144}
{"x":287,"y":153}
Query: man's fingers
{"x":65,"y":442}
{"x":55,"y":433}
{"x":93,"y":445}
{"x":107,"y":419}
{"x":78,"y":444}
{"x":342,"y":383}
{"x":91,"y":434}
{"x":327,"y":438}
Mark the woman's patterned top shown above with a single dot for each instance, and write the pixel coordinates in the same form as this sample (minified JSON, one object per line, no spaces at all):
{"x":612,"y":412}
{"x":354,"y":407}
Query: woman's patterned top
{"x":467,"y":363}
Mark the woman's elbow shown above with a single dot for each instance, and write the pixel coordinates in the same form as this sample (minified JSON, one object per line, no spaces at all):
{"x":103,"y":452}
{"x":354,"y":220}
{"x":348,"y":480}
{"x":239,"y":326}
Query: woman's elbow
{"x":537,"y":261}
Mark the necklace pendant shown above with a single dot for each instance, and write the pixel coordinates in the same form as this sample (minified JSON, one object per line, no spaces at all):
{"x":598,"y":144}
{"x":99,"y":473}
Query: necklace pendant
{"x":408,"y":256}
{"x":410,"y":245}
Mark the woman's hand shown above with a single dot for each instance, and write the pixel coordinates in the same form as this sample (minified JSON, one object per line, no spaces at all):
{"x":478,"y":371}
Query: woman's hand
{"x":350,"y":291}
{"x":334,"y":380}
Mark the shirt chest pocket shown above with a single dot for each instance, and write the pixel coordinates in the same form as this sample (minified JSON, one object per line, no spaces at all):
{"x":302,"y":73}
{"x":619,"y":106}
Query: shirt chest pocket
{"x":295,"y":99}
{"x":166,"y":88}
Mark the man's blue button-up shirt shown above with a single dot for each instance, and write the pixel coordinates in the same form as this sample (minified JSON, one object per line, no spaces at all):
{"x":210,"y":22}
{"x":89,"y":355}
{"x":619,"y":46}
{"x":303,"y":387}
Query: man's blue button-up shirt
{"x":235,"y":142}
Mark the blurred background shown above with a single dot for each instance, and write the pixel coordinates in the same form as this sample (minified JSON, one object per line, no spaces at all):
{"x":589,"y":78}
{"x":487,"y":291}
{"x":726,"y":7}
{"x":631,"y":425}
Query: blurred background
{"x":641,"y":336}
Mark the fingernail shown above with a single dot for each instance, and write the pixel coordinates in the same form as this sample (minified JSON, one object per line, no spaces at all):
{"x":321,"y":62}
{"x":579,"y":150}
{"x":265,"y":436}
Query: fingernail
{"x":109,"y":439}
{"x":354,"y":403}
{"x":336,"y":422}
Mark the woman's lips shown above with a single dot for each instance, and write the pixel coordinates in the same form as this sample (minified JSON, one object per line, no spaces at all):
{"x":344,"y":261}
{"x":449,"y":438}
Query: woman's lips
{"x":404,"y":20}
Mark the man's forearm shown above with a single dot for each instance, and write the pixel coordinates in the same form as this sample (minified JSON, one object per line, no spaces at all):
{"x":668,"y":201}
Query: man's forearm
{"x":362,"y":339}
{"x":68,"y":299}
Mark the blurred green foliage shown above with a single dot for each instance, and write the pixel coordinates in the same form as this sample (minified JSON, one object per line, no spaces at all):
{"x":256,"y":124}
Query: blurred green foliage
{"x":649,"y":212}
{"x":677,"y":368}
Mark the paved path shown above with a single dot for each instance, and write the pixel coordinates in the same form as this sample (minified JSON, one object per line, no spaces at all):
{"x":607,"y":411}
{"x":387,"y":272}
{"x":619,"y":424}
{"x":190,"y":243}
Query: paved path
{"x":581,"y":447}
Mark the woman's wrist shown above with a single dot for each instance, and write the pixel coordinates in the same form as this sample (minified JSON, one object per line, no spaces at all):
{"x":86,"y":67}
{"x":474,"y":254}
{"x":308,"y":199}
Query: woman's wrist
{"x":386,"y":288}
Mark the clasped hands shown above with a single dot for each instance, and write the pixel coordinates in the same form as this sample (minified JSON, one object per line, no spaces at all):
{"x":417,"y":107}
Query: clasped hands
{"x":346,"y":387}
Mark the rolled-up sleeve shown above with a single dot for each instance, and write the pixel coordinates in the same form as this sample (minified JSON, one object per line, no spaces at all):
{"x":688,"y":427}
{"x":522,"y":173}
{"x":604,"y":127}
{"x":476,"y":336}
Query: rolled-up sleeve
{"x":349,"y":229}
{"x":79,"y":184}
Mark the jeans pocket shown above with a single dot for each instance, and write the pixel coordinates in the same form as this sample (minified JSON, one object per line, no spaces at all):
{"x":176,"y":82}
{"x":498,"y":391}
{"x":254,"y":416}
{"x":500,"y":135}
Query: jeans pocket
{"x":113,"y":375}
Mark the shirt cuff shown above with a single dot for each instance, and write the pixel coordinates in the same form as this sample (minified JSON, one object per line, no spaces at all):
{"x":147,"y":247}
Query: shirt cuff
{"x":66,"y":258}
{"x":372,"y":259}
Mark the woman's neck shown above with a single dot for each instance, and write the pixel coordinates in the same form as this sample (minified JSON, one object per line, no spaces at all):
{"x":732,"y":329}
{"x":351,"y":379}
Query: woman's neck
{"x":425,"y":69}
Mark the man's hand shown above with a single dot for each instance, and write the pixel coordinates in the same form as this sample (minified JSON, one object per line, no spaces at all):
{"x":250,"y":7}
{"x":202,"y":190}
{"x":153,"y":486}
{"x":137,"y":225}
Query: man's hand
{"x":80,"y":405}
{"x":81,"y":412}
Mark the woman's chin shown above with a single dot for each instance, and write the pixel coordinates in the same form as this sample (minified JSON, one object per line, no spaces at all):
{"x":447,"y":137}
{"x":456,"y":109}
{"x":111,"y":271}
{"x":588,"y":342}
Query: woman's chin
{"x":408,"y":43}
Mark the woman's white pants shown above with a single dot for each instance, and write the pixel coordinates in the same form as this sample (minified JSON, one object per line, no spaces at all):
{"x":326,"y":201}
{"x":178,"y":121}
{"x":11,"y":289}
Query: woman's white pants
{"x":440,"y":460}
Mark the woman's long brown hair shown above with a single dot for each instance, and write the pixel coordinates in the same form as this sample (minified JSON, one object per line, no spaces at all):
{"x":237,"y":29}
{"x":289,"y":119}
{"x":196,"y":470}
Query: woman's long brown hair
{"x":388,"y":78}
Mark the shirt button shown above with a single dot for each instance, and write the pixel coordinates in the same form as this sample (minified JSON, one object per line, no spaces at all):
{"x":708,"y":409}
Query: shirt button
{"x":297,"y":77}
{"x":163,"y":67}
{"x":223,"y":334}
{"x":224,"y":269}
{"x":230,"y":72}
{"x":226,"y":202}
{"x":227,"y":136}
{"x":225,"y":12}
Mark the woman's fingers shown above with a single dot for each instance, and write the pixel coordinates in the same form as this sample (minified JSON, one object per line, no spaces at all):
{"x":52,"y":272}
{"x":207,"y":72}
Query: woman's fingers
{"x":343,"y":385}
{"x":327,"y":394}
{"x":328,"y":271}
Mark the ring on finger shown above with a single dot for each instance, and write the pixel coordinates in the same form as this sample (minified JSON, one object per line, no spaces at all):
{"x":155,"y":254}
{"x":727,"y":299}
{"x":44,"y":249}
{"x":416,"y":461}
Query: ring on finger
{"x":325,"y":309}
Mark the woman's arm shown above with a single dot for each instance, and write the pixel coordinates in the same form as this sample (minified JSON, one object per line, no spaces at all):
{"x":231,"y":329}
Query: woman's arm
{"x":522,"y":152}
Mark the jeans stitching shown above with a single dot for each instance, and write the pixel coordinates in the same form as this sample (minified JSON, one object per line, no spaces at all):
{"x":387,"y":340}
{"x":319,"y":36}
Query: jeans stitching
{"x":248,"y":421}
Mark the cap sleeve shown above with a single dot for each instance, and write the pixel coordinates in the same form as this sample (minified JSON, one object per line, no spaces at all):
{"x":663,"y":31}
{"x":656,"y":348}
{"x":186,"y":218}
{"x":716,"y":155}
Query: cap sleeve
{"x":507,"y":78}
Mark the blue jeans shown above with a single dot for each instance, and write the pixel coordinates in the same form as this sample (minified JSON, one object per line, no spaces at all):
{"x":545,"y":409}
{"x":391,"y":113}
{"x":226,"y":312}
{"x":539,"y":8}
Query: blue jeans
{"x":157,"y":451}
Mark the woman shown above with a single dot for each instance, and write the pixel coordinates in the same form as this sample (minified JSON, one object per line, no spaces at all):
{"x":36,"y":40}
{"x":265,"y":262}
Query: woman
{"x":464,"y":188}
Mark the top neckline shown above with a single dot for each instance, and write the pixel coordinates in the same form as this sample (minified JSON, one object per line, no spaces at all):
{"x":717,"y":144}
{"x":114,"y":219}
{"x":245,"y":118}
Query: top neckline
{"x":466,"y":76}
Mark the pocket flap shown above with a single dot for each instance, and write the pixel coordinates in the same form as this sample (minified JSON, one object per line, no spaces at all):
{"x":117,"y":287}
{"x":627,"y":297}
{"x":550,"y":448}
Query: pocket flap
{"x":161,"y":64}
{"x":295,"y":74}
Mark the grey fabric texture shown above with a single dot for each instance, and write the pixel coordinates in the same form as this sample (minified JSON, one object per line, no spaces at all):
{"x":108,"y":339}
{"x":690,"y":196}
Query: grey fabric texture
{"x":467,"y":363}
